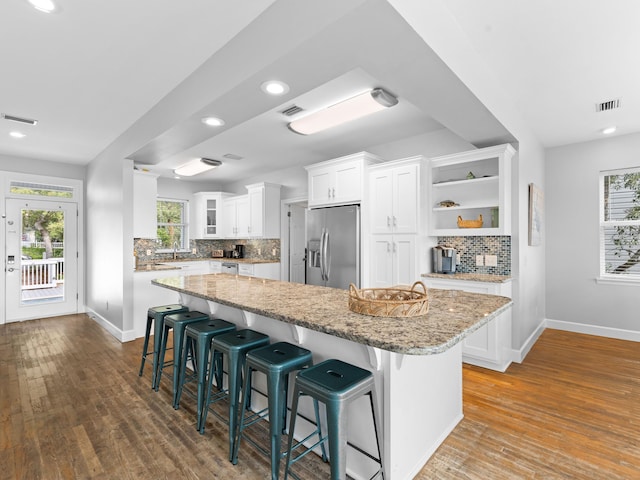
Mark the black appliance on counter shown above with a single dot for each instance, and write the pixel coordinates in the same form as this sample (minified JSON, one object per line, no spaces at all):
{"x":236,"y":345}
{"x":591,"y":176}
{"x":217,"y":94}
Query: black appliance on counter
{"x":238,"y":251}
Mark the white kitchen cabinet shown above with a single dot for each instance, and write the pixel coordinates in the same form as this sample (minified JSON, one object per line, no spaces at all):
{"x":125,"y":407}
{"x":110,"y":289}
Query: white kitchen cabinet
{"x":478,"y":182}
{"x":145,"y":196}
{"x":490,"y":345}
{"x":339,"y":181}
{"x":236,"y":216}
{"x":208,"y":215}
{"x":264,"y":210}
{"x":394,"y":196}
{"x":393,"y":260}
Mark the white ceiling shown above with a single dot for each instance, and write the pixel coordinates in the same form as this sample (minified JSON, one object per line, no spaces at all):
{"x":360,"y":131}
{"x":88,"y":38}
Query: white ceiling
{"x":95,"y":69}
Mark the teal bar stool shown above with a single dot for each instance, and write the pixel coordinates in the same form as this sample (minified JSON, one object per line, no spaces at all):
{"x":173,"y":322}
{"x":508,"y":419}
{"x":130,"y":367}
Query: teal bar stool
{"x":178,"y":322}
{"x":155,"y":316}
{"x":276,"y":361}
{"x":202,"y":334}
{"x":235,"y":345}
{"x":336,"y":384}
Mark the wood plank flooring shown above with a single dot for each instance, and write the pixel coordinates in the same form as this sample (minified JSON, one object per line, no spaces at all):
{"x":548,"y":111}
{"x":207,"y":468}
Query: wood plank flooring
{"x":72,"y":406}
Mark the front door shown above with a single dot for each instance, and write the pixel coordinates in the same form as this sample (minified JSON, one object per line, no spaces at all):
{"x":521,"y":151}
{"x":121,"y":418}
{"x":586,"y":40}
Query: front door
{"x":41,"y":259}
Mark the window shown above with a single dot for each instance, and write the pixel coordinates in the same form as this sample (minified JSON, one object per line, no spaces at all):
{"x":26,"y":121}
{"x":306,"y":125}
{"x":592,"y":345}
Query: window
{"x":172,"y":224}
{"x":620,"y":224}
{"x":38,"y":189}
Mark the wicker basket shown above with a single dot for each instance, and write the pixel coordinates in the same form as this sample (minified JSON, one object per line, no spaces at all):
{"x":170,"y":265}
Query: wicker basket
{"x":396,"y":301}
{"x":470,"y":223}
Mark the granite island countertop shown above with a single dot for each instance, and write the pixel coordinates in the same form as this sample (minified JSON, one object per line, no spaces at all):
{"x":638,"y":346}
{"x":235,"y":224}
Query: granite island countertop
{"x":469,"y":277}
{"x":170,"y":264}
{"x":452,"y":314}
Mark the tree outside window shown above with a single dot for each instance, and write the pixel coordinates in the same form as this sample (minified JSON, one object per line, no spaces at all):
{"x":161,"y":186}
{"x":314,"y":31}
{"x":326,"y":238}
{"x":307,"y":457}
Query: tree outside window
{"x":620,"y":223}
{"x":172,"y":224}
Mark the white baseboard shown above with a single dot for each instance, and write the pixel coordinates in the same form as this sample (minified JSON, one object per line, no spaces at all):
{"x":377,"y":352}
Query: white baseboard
{"x":598,"y":330}
{"x":121,"y":335}
{"x":519,"y":355}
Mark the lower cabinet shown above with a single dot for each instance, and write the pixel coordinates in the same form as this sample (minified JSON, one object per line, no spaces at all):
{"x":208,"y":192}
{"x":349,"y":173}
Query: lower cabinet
{"x":393,"y":260}
{"x":489,"y":346}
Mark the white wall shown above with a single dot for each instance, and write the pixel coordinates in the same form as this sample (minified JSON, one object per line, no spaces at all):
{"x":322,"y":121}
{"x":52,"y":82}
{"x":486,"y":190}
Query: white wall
{"x":572,"y":260}
{"x":39,"y":167}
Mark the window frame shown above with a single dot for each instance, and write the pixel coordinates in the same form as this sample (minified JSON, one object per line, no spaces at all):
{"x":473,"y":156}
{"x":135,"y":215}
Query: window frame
{"x":184,"y":225}
{"x":604,"y":276}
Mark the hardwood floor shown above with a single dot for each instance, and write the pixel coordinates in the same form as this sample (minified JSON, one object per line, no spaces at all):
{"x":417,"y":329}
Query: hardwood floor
{"x":73,"y":406}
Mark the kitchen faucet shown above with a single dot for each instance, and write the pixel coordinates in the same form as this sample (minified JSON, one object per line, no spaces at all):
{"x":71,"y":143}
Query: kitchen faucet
{"x":175,"y":250}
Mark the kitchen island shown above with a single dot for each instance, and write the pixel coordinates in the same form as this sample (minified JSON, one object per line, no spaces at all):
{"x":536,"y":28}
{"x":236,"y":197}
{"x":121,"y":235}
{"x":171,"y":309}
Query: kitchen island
{"x":416,"y":362}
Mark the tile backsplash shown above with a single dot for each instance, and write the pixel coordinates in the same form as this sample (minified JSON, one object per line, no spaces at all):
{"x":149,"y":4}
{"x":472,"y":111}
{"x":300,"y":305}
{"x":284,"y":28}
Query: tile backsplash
{"x":263,"y":249}
{"x":469,"y":247}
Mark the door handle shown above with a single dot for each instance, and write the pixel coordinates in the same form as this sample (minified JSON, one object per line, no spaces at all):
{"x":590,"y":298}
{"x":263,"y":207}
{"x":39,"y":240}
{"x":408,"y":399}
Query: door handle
{"x":11,"y":269}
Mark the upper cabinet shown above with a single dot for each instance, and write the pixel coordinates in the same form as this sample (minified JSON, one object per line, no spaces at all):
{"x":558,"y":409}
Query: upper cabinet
{"x":236,"y":216}
{"x":394,"y":198}
{"x":264,"y":210}
{"x":145,"y":196}
{"x":339,"y":181}
{"x":471,"y":192}
{"x":207,"y":219}
{"x":255,"y":215}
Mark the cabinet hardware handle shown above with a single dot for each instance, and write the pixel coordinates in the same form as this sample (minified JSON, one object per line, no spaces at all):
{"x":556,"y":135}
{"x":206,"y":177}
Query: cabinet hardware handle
{"x":388,"y":221}
{"x":333,"y":191}
{"x":394,"y":247}
{"x":395,"y":222}
{"x":329,"y":192}
{"x":388,"y":247}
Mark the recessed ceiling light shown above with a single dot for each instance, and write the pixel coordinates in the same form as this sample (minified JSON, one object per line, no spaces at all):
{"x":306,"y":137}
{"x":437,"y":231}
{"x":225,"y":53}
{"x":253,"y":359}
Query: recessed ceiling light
{"x":213,"y":121}
{"x":17,"y":134}
{"x":608,"y":130}
{"x":275,"y":87}
{"x":46,"y":6}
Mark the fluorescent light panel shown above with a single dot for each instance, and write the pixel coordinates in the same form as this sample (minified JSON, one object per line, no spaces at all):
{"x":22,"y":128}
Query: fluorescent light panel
{"x":351,"y":109}
{"x":197,"y":166}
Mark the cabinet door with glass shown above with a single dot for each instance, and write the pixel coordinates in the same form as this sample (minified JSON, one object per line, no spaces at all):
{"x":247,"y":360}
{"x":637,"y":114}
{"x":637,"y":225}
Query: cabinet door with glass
{"x":208,"y":217}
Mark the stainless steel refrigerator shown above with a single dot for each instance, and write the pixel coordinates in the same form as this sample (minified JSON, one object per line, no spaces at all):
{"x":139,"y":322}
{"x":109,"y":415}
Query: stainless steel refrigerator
{"x":333,"y":246}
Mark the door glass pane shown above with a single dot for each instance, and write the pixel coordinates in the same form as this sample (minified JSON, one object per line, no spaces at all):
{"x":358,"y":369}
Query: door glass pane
{"x":42,"y":262}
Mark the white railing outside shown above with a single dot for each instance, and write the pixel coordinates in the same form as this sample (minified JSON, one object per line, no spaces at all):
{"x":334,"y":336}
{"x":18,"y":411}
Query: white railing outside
{"x":54,"y":245}
{"x":42,"y":273}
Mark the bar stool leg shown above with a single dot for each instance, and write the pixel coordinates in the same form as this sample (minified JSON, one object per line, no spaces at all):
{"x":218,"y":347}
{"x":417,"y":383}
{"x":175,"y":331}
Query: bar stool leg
{"x":145,"y":346}
{"x":337,"y":432}
{"x":235,"y":381}
{"x":245,"y":388}
{"x":163,"y":348}
{"x":276,"y":404}
{"x":178,"y":364}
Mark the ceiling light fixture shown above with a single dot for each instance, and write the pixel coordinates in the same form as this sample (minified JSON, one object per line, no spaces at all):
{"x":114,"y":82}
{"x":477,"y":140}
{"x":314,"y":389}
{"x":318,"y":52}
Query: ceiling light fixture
{"x":275,"y":87}
{"x":17,"y":134}
{"x":213,"y":121}
{"x":608,"y":130}
{"x":14,"y":118}
{"x":46,"y":6}
{"x":197,"y":166}
{"x":345,"y":111}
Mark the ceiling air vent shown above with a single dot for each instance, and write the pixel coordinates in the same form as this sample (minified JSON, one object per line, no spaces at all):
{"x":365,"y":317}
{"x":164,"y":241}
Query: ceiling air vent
{"x":232,"y":156}
{"x":291,"y":111}
{"x":13,"y":118}
{"x":608,"y":105}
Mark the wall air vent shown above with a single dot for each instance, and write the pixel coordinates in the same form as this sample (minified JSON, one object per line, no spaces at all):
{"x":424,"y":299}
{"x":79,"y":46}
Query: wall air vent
{"x":608,"y":105}
{"x":232,"y":156}
{"x":291,"y":111}
{"x":13,"y":118}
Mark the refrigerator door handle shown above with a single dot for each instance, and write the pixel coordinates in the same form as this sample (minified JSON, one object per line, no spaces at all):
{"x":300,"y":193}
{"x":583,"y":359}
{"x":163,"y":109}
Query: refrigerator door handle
{"x":327,"y":256}
{"x":321,"y":255}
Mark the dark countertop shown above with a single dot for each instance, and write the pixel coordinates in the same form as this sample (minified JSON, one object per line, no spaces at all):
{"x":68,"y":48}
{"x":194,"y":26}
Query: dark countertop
{"x":452,"y":314}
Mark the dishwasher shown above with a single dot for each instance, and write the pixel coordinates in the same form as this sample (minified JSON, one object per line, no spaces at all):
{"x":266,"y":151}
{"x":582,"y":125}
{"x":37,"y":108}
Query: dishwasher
{"x":231,"y":268}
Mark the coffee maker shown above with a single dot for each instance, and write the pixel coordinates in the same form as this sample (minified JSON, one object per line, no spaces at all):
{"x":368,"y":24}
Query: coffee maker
{"x":444,"y":259}
{"x":238,"y":251}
